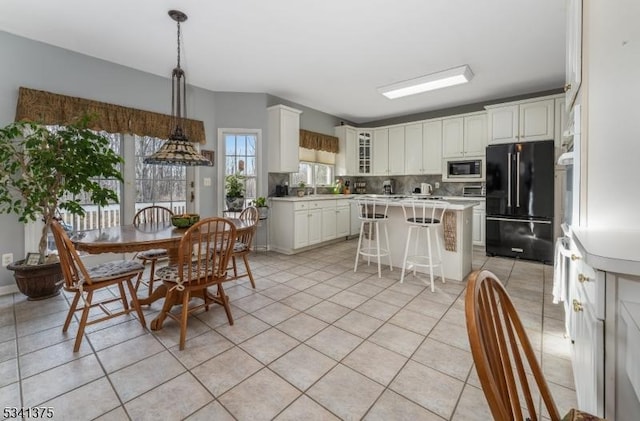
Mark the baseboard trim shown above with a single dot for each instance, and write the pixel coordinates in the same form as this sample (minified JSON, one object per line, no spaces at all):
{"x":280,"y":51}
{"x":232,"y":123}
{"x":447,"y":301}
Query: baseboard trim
{"x":8,"y":289}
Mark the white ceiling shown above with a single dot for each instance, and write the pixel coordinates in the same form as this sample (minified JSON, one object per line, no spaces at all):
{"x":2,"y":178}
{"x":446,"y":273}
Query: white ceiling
{"x":330,"y":55}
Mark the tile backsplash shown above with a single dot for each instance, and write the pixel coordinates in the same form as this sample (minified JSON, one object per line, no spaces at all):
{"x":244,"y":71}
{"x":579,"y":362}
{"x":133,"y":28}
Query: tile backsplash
{"x":404,"y":184}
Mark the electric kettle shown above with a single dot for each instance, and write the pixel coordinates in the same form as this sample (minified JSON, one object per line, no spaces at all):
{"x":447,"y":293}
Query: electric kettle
{"x":425,"y":188}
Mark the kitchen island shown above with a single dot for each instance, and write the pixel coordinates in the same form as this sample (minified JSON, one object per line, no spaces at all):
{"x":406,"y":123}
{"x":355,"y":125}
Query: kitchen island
{"x":456,"y":257}
{"x":300,"y":223}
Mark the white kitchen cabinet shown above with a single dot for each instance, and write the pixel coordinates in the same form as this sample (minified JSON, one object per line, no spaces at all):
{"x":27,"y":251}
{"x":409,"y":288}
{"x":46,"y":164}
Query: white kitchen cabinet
{"x":329,"y":222}
{"x":523,"y":121}
{"x":432,"y":147}
{"x":453,"y":137}
{"x":354,"y":215}
{"x":605,"y":319}
{"x":283,"y":135}
{"x":307,"y":226}
{"x":573,"y":57}
{"x":343,"y":218}
{"x":475,"y":134}
{"x":396,"y":150}
{"x":364,"y":152}
{"x":464,"y":136}
{"x":479,"y":214}
{"x":413,"y":146}
{"x":388,"y":151}
{"x":380,"y":151}
{"x":347,"y":156}
{"x":296,"y":225}
{"x":588,"y":337}
{"x":423,"y":148}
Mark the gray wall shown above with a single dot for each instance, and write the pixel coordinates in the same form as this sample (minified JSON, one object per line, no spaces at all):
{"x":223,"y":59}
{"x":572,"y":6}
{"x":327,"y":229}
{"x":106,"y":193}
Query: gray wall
{"x":40,"y":66}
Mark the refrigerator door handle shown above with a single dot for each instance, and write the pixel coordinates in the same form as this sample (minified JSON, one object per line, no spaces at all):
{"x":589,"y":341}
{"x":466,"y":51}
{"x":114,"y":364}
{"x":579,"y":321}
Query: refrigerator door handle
{"x":509,"y":181}
{"x":518,"y":180}
{"x":526,"y":221}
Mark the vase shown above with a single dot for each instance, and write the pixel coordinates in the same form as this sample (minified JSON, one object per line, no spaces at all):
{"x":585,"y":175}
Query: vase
{"x":38,"y":282}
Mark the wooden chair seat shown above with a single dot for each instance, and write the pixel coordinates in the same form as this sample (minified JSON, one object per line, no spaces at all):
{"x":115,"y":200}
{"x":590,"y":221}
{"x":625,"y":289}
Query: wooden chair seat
{"x":83,"y":282}
{"x":204,"y":253}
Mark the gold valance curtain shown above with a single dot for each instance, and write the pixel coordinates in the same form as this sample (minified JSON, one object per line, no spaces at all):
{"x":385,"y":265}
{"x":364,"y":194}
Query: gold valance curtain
{"x":49,"y":108}
{"x":318,"y":141}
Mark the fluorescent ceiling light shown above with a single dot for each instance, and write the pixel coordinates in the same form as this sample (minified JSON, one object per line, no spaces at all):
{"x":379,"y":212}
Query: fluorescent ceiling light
{"x":455,"y":76}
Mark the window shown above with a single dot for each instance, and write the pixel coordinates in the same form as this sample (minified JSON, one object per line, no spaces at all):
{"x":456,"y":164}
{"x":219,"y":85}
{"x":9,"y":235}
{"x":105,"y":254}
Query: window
{"x":163,"y":185}
{"x":241,"y":157}
{"x":98,"y":216}
{"x":313,"y":174}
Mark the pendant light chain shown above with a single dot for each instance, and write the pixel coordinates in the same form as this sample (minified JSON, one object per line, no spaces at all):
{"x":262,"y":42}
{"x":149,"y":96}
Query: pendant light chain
{"x":178,"y":44}
{"x":177,"y":150}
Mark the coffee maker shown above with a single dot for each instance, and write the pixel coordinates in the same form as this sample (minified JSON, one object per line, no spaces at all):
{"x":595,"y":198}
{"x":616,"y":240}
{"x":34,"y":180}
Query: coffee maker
{"x":389,"y":186}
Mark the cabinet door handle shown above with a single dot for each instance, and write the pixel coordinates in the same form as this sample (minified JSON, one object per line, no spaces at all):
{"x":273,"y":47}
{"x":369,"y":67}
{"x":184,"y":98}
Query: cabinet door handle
{"x":574,"y":257}
{"x":577,"y":306}
{"x":567,"y":87}
{"x":582,"y":278}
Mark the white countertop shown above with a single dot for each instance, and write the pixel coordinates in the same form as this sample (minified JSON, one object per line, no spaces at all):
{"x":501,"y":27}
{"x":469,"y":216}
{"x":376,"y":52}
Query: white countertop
{"x":611,"y":250}
{"x":456,"y":202}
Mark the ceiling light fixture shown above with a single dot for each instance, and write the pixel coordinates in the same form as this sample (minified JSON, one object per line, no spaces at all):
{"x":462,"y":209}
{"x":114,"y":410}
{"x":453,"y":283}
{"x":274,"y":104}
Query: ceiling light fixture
{"x":455,"y":76}
{"x":178,"y":150}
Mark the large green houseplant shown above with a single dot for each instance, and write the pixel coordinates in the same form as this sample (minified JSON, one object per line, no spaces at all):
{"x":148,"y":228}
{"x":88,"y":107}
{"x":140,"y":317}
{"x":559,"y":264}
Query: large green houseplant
{"x":234,"y":191}
{"x":45,"y":171}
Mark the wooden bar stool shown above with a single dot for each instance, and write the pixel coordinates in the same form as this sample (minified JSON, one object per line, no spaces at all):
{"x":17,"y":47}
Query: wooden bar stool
{"x":423,"y":216}
{"x":373,"y":213}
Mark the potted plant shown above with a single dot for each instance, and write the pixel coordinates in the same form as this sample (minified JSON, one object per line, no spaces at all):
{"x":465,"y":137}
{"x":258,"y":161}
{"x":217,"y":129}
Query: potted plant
{"x":44,"y":171}
{"x":263,"y":208}
{"x":234,"y":188}
{"x":301,"y":186}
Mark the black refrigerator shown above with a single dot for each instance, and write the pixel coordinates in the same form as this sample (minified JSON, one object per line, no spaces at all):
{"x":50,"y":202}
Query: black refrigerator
{"x":519,"y":220}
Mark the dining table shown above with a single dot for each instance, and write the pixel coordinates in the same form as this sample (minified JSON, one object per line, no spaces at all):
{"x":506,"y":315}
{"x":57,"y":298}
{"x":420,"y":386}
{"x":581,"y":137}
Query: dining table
{"x":137,"y":238}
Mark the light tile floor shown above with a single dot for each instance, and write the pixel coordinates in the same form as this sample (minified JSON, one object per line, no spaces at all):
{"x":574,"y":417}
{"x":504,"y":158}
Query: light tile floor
{"x":314,"y":341}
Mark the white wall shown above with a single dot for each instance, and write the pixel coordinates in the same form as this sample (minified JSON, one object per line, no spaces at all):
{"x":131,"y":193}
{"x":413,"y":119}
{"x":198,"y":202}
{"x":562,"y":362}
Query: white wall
{"x":611,"y":78}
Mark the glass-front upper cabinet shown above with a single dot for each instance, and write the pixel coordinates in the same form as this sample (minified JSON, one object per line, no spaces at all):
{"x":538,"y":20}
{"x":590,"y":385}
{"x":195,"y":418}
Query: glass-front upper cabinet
{"x":364,"y":151}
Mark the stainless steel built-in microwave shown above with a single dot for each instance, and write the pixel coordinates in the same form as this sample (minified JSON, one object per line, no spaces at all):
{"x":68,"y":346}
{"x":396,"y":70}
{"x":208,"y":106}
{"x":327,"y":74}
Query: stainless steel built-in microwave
{"x":467,"y":168}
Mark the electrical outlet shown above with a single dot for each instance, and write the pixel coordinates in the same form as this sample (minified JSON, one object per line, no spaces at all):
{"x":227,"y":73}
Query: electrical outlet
{"x":437,"y":185}
{"x":7,"y":259}
{"x":206,"y":181}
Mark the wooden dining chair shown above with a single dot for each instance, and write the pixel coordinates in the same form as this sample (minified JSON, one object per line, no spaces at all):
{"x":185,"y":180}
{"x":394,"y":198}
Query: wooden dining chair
{"x":204,"y":253}
{"x":244,"y":243}
{"x":503,"y":355}
{"x":84,"y":282}
{"x":151,"y":216}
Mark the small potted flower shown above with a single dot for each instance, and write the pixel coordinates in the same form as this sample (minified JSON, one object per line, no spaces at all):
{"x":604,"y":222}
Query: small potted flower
{"x":263,"y":208}
{"x":301,"y":188}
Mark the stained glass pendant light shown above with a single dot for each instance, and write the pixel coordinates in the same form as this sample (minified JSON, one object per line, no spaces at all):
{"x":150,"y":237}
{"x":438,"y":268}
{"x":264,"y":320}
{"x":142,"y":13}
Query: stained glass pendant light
{"x":178,"y":150}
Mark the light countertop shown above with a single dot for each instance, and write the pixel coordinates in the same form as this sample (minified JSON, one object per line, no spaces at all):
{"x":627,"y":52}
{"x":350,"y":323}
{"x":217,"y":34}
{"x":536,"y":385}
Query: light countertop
{"x":611,"y":250}
{"x":455,"y":202}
